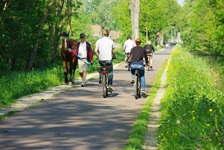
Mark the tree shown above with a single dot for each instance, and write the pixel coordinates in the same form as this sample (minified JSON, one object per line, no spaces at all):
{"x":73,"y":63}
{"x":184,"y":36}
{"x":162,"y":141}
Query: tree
{"x":101,"y":12}
{"x":201,"y":26}
{"x":30,"y":31}
{"x":134,"y":9}
{"x":30,"y":64}
{"x":157,"y":17}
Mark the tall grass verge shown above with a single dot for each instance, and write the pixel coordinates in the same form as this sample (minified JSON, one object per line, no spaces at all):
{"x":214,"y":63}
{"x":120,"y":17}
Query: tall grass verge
{"x":17,"y":84}
{"x":139,"y":129}
{"x":192,"y":108}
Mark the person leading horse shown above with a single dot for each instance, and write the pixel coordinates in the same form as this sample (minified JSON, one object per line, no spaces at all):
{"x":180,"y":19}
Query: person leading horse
{"x":68,"y":51}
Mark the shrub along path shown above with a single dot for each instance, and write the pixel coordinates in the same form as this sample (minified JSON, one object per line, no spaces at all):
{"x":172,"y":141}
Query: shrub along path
{"x":78,"y":117}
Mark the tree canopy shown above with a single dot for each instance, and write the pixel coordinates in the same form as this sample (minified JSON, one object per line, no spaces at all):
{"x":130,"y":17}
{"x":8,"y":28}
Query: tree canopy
{"x":201,"y":25}
{"x":30,"y":31}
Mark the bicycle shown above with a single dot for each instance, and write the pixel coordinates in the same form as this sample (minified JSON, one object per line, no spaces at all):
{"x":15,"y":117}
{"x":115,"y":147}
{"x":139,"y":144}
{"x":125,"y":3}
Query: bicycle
{"x":105,"y":70}
{"x":137,"y":84}
{"x":149,"y":57}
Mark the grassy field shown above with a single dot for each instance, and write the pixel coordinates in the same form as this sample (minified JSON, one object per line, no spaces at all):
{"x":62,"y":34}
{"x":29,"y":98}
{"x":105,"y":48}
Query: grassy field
{"x":192,"y":108}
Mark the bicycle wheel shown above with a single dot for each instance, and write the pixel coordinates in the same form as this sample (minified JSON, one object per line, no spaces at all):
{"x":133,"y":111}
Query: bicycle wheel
{"x":139,"y":87}
{"x":104,"y":85}
{"x":136,"y":84}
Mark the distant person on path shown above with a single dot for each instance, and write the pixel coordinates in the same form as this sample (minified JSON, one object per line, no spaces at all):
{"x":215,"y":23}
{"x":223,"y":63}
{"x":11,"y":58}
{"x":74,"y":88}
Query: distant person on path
{"x":105,"y":52}
{"x":149,"y":51}
{"x":138,"y":53}
{"x":86,"y":54}
{"x":128,"y":45}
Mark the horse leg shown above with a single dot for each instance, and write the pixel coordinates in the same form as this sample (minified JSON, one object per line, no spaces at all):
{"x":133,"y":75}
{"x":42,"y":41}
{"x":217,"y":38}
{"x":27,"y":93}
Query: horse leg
{"x":65,"y":72}
{"x":73,"y":69}
{"x":71,"y":73}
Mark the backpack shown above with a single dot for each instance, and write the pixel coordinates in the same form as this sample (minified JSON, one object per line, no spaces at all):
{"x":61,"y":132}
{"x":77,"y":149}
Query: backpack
{"x":148,"y":49}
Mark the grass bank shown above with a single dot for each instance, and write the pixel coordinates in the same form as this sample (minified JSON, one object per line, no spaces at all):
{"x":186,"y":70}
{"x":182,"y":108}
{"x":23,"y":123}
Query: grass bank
{"x":192,"y":108}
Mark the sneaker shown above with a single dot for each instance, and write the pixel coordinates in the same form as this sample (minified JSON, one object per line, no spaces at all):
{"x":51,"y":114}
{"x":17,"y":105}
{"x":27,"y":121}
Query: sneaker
{"x":82,"y":85}
{"x":132,"y":81}
{"x":110,"y":89}
{"x":100,"y":82}
{"x":144,"y":93}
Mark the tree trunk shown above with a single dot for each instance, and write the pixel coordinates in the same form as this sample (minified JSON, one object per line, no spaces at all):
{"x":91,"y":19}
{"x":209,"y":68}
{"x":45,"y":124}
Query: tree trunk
{"x":159,"y":38}
{"x":69,"y":7}
{"x":33,"y":54}
{"x":134,"y":9}
{"x":57,"y":30}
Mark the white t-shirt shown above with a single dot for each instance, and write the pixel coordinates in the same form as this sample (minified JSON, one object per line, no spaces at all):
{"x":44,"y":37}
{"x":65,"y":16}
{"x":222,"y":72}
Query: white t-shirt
{"x":128,"y":45}
{"x":82,"y":50}
{"x":105,"y":46}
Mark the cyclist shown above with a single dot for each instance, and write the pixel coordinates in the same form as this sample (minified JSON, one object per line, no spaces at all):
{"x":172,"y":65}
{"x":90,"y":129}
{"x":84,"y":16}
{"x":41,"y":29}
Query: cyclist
{"x":138,"y":53}
{"x":104,"y":50}
{"x":149,"y":50}
{"x":128,"y":45}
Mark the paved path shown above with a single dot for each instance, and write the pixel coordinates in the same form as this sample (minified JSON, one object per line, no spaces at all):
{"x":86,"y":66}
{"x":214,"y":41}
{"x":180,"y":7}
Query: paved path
{"x":79,"y":118}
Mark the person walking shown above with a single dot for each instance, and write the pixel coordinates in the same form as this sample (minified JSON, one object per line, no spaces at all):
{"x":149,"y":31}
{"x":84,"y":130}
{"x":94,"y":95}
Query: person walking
{"x":128,"y":45}
{"x":105,"y":52}
{"x":86,"y":55}
{"x":138,"y":53}
{"x":149,"y":51}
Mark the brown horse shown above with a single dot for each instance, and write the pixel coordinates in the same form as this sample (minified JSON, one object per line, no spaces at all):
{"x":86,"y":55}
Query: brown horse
{"x":68,"y":46}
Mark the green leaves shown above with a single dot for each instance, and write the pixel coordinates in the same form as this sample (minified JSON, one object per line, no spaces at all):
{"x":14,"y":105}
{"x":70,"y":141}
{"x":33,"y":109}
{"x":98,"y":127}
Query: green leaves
{"x":204,"y":19}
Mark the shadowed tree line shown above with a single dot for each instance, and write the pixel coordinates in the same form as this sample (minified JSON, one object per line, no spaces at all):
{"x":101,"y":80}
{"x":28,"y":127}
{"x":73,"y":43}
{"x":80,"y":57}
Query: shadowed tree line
{"x":30,"y":31}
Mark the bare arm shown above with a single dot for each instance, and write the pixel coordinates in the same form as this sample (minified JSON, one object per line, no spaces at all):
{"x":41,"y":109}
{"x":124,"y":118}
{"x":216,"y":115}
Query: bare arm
{"x":113,"y":51}
{"x":96,"y":51}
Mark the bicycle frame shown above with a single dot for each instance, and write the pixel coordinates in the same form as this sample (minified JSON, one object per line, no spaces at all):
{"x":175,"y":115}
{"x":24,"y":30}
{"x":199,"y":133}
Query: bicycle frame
{"x":104,"y":70}
{"x":105,"y":81}
{"x":149,"y":57}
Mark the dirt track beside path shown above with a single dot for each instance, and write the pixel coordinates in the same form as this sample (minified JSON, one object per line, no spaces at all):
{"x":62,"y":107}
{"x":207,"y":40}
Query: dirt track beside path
{"x":80,"y":118}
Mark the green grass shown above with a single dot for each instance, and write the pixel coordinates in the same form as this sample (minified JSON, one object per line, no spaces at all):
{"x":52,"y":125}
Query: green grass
{"x":192,"y":116}
{"x":17,"y":84}
{"x":137,"y":134}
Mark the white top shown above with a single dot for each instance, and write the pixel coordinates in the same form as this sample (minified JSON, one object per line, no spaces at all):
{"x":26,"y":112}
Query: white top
{"x":128,"y":44}
{"x":82,"y":50}
{"x":105,"y":46}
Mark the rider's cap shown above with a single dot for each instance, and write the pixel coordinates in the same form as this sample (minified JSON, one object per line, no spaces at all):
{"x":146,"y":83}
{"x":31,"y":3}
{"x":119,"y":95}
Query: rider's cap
{"x":129,"y":37}
{"x":82,"y":35}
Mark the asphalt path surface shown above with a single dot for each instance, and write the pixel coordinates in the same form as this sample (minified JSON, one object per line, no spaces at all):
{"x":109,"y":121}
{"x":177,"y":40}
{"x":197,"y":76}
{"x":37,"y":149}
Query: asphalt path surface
{"x":80,"y":118}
